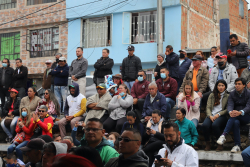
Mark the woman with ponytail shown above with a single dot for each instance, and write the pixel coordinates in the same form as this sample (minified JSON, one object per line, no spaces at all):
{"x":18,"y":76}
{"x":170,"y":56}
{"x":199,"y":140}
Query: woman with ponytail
{"x":133,"y":121}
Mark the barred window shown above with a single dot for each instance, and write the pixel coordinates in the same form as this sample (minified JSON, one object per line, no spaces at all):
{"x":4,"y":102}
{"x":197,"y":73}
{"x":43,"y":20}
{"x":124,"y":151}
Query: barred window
{"x":241,"y":8}
{"x":10,"y":46}
{"x":7,"y":4}
{"x":43,"y":42}
{"x":96,"y":32}
{"x":35,"y":2}
{"x":144,"y":27}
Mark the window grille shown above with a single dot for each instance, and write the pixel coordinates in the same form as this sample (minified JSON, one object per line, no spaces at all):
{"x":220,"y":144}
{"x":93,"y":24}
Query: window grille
{"x":10,"y":46}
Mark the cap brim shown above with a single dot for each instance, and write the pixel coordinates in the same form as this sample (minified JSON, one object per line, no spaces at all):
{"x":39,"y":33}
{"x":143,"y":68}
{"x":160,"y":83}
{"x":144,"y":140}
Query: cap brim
{"x":100,"y":87}
{"x":25,"y":149}
{"x":72,"y":86}
{"x":180,"y":50}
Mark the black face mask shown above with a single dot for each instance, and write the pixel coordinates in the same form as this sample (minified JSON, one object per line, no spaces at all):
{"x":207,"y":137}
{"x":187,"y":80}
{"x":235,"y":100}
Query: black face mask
{"x":220,"y":64}
{"x":182,"y":56}
{"x":57,"y":60}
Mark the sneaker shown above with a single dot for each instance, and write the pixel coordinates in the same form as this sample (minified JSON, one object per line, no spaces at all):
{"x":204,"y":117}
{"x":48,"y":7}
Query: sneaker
{"x":235,"y":149}
{"x":221,"y":140}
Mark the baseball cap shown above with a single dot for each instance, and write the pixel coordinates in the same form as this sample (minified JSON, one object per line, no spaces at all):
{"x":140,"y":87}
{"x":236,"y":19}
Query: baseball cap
{"x":130,"y":48}
{"x":221,"y":56}
{"x":101,"y":85}
{"x":34,"y":144}
{"x":117,"y":76}
{"x":62,"y":59}
{"x":13,"y":90}
{"x":183,"y":51}
{"x":197,"y":57}
{"x":48,"y":62}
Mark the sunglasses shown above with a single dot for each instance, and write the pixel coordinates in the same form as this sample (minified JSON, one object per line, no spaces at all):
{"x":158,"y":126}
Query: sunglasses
{"x":126,"y":139}
{"x":92,"y":129}
{"x":99,"y":88}
{"x":139,"y":75}
{"x":46,"y":93}
{"x":41,"y":111}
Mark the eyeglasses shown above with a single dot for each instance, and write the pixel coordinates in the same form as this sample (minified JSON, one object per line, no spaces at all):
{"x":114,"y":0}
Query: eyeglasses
{"x":139,"y":75}
{"x":125,"y":139}
{"x":41,"y":111}
{"x":92,"y":129}
{"x":46,"y":93}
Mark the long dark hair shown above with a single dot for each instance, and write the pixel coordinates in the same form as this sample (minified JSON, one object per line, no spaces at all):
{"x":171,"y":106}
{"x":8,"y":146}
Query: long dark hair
{"x":216,"y":92}
{"x":52,"y":98}
{"x":137,"y":120}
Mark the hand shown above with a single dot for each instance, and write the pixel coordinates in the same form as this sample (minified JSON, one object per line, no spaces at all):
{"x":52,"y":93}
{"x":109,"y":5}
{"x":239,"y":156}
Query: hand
{"x":69,"y":118}
{"x":248,"y":85}
{"x":74,"y":78}
{"x":119,"y":96}
{"x":35,"y":117}
{"x":233,"y":53}
{"x":216,"y":116}
{"x":235,"y":113}
{"x":200,"y":94}
{"x":148,"y":132}
{"x":152,"y":132}
{"x":211,"y":118}
{"x":165,"y":162}
{"x":155,"y":74}
{"x":20,"y":124}
{"x":147,"y":118}
{"x":76,"y":124}
{"x":190,"y":99}
{"x":166,"y":53}
{"x":61,"y":71}
{"x":183,"y":98}
{"x":135,"y":100}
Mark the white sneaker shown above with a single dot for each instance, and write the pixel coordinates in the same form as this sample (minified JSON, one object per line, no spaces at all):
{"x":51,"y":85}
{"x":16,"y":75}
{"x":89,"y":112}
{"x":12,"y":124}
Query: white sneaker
{"x":221,"y":140}
{"x":235,"y":149}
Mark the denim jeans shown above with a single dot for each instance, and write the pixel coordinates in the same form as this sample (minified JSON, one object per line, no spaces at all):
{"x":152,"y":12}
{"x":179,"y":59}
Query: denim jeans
{"x":129,"y":84}
{"x":195,"y":121}
{"x":61,"y":94}
{"x":170,"y":105}
{"x":19,"y":153}
{"x":235,"y":122}
{"x":12,"y":127}
{"x":246,"y":156}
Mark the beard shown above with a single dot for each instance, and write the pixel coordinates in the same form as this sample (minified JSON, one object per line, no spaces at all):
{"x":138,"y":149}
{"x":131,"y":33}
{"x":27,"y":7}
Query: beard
{"x":174,"y":142}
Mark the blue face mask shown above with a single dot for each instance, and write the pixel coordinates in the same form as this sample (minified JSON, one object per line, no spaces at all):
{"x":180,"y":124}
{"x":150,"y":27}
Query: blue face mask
{"x":163,"y":75}
{"x":4,"y":64}
{"x":111,"y":143}
{"x":122,"y":94}
{"x":11,"y":165}
{"x":140,"y":79}
{"x":24,"y":113}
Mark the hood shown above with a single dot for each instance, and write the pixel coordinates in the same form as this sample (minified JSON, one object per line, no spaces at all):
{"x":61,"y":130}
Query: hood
{"x":140,"y":156}
{"x":151,"y":120}
{"x":76,"y":89}
{"x":61,"y":148}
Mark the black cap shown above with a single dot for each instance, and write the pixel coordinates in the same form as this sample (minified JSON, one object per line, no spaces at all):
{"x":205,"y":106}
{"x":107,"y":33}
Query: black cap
{"x":131,"y":47}
{"x":197,"y":57}
{"x":34,"y":144}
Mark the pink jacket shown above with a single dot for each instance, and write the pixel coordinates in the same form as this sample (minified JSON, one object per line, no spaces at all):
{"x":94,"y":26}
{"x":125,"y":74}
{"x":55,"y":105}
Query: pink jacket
{"x":194,"y":111}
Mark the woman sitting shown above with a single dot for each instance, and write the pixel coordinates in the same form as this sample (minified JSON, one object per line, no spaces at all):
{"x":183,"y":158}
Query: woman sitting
{"x":24,"y":124}
{"x":161,"y":63}
{"x":117,"y":79}
{"x":30,"y":101}
{"x":186,"y":127}
{"x":118,"y":107}
{"x":11,"y":111}
{"x":51,"y":102}
{"x":190,"y":101}
{"x":133,"y":121}
{"x":216,"y":114}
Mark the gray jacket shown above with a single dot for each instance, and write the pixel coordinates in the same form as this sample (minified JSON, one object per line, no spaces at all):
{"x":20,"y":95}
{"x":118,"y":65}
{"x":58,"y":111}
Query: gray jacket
{"x":118,"y":107}
{"x":246,"y":75}
{"x":78,"y":68}
{"x":229,"y":75}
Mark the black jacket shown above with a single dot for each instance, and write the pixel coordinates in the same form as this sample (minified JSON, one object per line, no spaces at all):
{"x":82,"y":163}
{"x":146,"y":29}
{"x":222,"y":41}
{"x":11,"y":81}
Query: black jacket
{"x":8,"y":105}
{"x":103,"y":67}
{"x":157,"y":69}
{"x":54,"y":65}
{"x":20,"y":80}
{"x":172,"y":64}
{"x":242,"y":52}
{"x":130,"y":67}
{"x":8,"y":77}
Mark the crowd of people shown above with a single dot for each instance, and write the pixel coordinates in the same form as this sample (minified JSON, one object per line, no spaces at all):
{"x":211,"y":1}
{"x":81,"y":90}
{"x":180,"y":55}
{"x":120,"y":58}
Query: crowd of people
{"x":127,"y":122}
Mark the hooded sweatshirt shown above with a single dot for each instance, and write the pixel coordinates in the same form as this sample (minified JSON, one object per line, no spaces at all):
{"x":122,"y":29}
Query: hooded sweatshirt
{"x":139,"y":159}
{"x":75,"y":105}
{"x":61,"y":148}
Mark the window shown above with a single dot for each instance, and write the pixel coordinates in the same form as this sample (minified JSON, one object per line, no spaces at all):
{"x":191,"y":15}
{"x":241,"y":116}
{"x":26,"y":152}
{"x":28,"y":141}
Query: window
{"x":43,"y":42}
{"x":7,"y":4}
{"x":241,"y":8}
{"x":35,"y":2}
{"x":144,"y":27}
{"x":96,"y":32}
{"x":10,"y":46}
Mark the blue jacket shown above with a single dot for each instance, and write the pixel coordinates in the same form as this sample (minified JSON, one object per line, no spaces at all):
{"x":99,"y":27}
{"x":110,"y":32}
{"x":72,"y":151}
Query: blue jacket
{"x":172,"y":64}
{"x":158,"y":103}
{"x":184,"y":68}
{"x":134,"y":126}
{"x":61,"y":78}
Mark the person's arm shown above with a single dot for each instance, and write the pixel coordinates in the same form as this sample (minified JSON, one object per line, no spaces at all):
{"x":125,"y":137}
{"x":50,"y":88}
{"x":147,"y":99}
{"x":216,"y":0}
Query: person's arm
{"x":211,"y":81}
{"x":243,"y":53}
{"x":83,"y":69}
{"x":133,"y":89}
{"x":204,"y":81}
{"x":108,"y":65}
{"x":113,"y":104}
{"x":83,"y":108}
{"x":224,"y":111}
{"x":144,"y":108}
{"x":230,"y":103}
{"x":66,"y":108}
{"x":55,"y":71}
{"x":5,"y":109}
{"x":244,"y":75}
{"x":123,"y":70}
{"x":210,"y":106}
{"x":23,"y":73}
{"x":164,"y":106}
{"x":46,"y":126}
{"x":98,"y":64}
{"x":194,"y":133}
{"x":159,"y":136}
{"x":139,"y":66}
{"x":12,"y":77}
{"x":196,"y":106}
{"x":247,"y":108}
{"x":192,"y":159}
{"x":231,"y":86}
{"x":18,"y":129}
{"x":16,"y":107}
{"x":30,"y":128}
{"x":172,"y":59}
{"x":64,"y":73}
{"x":73,"y":135}
{"x":173,"y":90}
{"x":127,"y":102}
{"x":146,"y":92}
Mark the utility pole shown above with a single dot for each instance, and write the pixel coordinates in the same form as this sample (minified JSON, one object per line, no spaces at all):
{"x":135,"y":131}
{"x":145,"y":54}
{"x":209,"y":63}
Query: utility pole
{"x":159,"y":27}
{"x":224,"y":25}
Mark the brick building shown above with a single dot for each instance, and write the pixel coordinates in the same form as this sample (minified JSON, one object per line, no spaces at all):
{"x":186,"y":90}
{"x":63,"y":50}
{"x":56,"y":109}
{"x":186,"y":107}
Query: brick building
{"x":34,"y":38}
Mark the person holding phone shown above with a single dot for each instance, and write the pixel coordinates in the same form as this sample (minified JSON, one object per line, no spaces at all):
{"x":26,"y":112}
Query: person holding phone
{"x":190,"y":101}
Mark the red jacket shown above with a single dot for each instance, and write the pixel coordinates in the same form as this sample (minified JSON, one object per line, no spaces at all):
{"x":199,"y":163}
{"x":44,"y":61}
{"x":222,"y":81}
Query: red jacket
{"x":169,"y":89}
{"x":27,"y":130}
{"x":46,"y":125}
{"x":140,"y":89}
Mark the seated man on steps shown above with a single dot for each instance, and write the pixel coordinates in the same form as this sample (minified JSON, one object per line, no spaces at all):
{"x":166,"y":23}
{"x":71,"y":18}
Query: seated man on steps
{"x":239,"y":111}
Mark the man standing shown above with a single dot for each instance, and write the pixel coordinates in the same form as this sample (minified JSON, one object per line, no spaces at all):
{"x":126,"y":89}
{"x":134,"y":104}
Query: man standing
{"x":6,"y":74}
{"x":75,"y":107}
{"x":61,"y":74}
{"x":78,"y":70}
{"x":20,"y":78}
{"x":139,"y":91}
{"x":168,"y":87}
{"x":172,"y":62}
{"x":238,"y":56}
{"x":184,"y":63}
{"x":47,"y":76}
{"x":54,"y":65}
{"x":175,"y":151}
{"x":130,"y":67}
{"x":103,"y":67}
{"x":129,"y":144}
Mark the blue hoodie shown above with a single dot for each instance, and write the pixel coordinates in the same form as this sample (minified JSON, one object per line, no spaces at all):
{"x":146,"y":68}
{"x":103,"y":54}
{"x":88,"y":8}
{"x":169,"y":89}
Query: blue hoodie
{"x":61,"y":78}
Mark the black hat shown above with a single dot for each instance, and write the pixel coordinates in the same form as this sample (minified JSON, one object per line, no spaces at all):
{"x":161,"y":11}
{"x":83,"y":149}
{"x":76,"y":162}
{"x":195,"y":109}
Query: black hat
{"x":34,"y":144}
{"x":197,"y":57}
{"x":131,"y":47}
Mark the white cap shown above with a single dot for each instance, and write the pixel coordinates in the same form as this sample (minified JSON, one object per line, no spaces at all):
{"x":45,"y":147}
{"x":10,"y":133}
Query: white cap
{"x":62,"y":59}
{"x":48,"y":61}
{"x":183,"y":51}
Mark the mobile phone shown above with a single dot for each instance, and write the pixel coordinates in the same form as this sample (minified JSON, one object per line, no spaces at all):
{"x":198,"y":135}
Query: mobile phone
{"x":187,"y":95}
{"x":147,"y":128}
{"x":158,"y":157}
{"x":80,"y":123}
